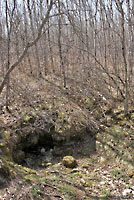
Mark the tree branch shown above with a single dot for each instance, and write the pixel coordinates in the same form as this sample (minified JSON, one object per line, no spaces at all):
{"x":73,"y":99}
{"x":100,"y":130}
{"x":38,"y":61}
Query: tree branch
{"x":29,"y":44}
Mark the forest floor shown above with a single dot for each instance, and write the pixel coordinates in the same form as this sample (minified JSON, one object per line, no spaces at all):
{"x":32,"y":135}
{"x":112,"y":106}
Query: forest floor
{"x":107,"y":173}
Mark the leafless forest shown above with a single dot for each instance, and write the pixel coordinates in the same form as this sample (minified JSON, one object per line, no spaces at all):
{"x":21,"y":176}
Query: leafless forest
{"x":88,"y":42}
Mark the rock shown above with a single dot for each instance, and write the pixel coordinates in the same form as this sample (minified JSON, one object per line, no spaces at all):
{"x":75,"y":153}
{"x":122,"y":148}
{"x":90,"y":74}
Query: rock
{"x":46,"y":164}
{"x":43,"y":151}
{"x":49,"y":156}
{"x":69,"y":162}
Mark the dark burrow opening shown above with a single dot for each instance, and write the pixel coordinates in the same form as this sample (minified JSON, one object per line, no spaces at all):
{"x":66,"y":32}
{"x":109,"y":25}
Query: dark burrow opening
{"x":38,"y":156}
{"x":47,"y":151}
{"x":35,"y":153}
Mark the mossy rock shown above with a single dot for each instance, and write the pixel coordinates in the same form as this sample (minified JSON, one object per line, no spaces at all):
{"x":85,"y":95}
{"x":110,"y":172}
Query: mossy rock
{"x":85,"y":166}
{"x":69,"y":162}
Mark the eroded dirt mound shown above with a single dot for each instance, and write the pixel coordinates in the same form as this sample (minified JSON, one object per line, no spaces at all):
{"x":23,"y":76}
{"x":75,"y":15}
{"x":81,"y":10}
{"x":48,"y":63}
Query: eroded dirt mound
{"x":49,"y":131}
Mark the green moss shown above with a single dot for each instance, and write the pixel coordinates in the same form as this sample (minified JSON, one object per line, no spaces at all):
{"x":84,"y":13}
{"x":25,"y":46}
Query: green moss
{"x":70,"y":192}
{"x":78,"y":174}
{"x":88,"y":183}
{"x":31,"y":178}
{"x":57,"y":180}
{"x":6,"y":135}
{"x":106,"y":194}
{"x":61,"y":116}
{"x":4,"y":168}
{"x":44,"y":181}
{"x":69,"y":162}
{"x":58,"y":129}
{"x":23,"y":171}
{"x":67,"y":126}
{"x":69,"y":171}
{"x":8,"y":155}
{"x":117,"y":132}
{"x":30,"y":171}
{"x":86,"y":166}
{"x":131,"y":174}
{"x":118,"y":173}
{"x":28,"y":119}
{"x":2,"y":144}
{"x":36,"y":191}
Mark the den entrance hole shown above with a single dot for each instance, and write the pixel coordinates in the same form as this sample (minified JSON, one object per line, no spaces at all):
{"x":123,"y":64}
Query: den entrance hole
{"x":34,"y":155}
{"x":38,"y":156}
{"x":47,"y":150}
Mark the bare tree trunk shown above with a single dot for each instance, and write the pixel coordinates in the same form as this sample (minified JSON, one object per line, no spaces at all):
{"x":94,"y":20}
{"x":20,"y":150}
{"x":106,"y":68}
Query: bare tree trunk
{"x":60,"y":47}
{"x":130,"y":39}
{"x":1,"y":45}
{"x":1,"y":52}
{"x":26,"y":36}
{"x":9,"y":24}
{"x":123,"y":40}
{"x":33,"y":36}
{"x":50,"y":48}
